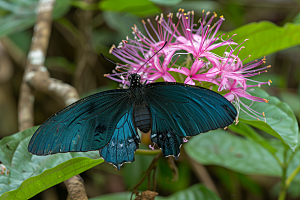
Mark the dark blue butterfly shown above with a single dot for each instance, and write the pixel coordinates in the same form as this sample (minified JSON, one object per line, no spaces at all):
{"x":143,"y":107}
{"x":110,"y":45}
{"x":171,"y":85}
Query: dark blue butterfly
{"x":108,"y":121}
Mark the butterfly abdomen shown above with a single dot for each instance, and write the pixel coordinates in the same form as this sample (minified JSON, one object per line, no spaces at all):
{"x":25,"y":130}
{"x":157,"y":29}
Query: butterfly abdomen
{"x":142,"y":118}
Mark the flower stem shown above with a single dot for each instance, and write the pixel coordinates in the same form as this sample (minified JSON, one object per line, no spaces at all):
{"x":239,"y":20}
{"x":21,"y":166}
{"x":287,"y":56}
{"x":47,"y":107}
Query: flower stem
{"x":147,"y":152}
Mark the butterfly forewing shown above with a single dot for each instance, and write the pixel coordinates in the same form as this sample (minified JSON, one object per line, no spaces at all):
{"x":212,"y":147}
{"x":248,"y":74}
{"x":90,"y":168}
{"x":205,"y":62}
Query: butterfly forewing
{"x":88,"y":124}
{"x":186,"y":111}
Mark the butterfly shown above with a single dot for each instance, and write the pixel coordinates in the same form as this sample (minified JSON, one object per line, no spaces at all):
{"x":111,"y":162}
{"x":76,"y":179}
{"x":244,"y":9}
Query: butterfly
{"x":109,"y":121}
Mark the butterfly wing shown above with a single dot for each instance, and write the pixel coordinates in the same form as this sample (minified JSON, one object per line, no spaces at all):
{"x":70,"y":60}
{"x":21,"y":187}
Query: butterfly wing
{"x":163,"y":134}
{"x":123,"y":143}
{"x":88,"y":124}
{"x":180,"y":110}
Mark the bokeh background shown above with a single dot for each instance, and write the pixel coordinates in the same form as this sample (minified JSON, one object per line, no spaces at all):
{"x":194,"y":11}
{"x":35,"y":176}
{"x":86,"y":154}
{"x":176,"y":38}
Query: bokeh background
{"x":81,"y":30}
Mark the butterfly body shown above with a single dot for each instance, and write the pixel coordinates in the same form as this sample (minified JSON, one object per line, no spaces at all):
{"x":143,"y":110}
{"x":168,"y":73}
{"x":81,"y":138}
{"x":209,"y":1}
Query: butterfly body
{"x":108,"y":121}
{"x":142,"y":117}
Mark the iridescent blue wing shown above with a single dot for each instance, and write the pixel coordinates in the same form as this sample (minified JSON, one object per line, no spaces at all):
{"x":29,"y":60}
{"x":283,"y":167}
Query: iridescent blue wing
{"x":163,"y":134}
{"x":123,"y":143}
{"x":87,"y":124}
{"x":180,"y":110}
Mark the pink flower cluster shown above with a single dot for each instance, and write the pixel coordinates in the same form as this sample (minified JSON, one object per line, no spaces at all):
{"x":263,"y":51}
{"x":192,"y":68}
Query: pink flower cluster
{"x":201,"y":65}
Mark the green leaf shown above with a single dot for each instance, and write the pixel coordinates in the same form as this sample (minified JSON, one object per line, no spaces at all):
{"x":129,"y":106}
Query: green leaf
{"x":29,"y":174}
{"x":50,"y":177}
{"x":280,"y":119}
{"x":245,"y":130}
{"x":195,"y":192}
{"x":21,"y":16}
{"x":166,"y":2}
{"x":239,"y":154}
{"x":235,"y":153}
{"x":136,"y":7}
{"x":264,"y":38}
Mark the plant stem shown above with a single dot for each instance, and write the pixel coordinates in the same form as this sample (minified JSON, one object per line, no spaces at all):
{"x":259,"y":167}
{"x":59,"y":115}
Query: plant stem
{"x":283,"y":188}
{"x":292,"y":176}
{"x":282,"y":193}
{"x":151,"y":167}
{"x":147,"y":152}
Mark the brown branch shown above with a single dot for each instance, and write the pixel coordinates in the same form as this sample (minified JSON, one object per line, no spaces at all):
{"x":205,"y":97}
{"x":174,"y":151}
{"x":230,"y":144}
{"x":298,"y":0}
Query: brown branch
{"x":75,"y":188}
{"x":36,"y":77}
{"x":173,"y":167}
{"x":151,"y":167}
{"x":40,"y":80}
{"x":35,"y":60}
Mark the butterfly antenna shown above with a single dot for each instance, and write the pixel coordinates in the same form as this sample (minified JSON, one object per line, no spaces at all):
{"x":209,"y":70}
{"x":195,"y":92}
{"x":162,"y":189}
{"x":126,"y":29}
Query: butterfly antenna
{"x":108,"y":59}
{"x":152,"y":57}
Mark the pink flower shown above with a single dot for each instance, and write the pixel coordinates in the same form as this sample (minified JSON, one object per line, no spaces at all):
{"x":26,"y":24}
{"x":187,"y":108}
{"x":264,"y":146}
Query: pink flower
{"x":152,"y":56}
{"x":234,"y":96}
{"x":136,"y":54}
{"x":159,"y":69}
{"x":200,"y":41}
{"x":193,"y":73}
{"x":231,"y":68}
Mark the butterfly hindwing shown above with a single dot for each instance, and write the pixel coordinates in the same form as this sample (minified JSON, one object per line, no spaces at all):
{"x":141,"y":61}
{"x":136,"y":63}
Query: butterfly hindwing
{"x":187,"y":111}
{"x":164,"y":136}
{"x":87,"y":124}
{"x":123,"y":143}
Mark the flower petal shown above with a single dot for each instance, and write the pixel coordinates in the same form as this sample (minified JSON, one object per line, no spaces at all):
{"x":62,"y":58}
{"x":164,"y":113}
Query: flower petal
{"x":168,"y":77}
{"x":197,"y":65}
{"x":182,"y":70}
{"x":189,"y":81}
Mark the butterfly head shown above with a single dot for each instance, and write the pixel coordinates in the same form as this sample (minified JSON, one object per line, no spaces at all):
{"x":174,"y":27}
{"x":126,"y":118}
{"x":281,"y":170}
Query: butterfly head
{"x":135,"y":80}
